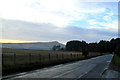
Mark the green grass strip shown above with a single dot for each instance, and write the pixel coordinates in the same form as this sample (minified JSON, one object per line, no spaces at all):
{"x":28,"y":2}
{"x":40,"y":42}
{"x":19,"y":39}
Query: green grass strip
{"x":116,"y":60}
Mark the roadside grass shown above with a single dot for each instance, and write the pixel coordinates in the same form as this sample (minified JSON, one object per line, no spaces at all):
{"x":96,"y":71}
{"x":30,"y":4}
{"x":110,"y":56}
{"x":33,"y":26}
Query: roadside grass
{"x":115,"y":63}
{"x":116,"y":60}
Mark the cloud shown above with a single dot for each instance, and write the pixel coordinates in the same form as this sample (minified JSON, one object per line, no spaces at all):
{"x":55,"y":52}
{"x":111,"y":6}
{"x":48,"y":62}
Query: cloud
{"x":92,"y":22}
{"x":113,"y":25}
{"x":110,"y":14}
{"x":46,"y":20}
{"x":107,"y":18}
{"x":59,"y":13}
{"x":106,"y":24}
{"x":25,"y":31}
{"x":99,"y":0}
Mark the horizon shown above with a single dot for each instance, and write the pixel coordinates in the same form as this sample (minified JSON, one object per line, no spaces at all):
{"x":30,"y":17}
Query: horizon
{"x":55,"y":41}
{"x":62,"y":21}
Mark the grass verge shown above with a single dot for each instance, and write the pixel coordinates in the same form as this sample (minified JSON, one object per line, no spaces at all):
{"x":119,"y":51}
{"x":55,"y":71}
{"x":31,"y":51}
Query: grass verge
{"x":115,"y":63}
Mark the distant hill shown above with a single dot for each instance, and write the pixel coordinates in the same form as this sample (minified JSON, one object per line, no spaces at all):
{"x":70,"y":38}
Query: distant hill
{"x":34,"y":45}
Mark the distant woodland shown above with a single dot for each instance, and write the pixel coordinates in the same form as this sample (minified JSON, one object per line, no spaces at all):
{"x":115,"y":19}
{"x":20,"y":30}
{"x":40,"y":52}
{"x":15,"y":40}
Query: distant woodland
{"x":102,"y":46}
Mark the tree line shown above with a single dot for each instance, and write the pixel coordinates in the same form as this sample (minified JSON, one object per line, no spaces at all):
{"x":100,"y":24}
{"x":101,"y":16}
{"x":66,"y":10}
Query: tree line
{"x":102,"y":46}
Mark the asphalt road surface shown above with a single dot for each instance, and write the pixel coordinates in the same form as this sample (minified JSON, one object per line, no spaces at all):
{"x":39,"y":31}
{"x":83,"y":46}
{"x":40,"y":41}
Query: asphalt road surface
{"x":90,"y":68}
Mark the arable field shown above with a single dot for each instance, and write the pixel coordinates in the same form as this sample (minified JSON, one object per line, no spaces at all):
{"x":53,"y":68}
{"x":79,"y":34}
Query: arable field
{"x":15,"y":60}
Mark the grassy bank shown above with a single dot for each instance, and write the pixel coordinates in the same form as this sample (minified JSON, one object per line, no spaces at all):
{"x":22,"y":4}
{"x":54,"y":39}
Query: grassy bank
{"x":19,"y":60}
{"x":115,"y":64}
{"x":117,"y":60}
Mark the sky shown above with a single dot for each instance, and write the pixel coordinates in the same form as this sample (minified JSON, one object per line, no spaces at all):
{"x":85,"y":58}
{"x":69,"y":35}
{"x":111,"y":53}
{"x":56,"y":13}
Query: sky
{"x":58,"y":20}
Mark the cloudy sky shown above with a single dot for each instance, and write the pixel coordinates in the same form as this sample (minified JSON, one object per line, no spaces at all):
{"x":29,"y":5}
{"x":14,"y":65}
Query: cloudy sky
{"x":58,"y":20}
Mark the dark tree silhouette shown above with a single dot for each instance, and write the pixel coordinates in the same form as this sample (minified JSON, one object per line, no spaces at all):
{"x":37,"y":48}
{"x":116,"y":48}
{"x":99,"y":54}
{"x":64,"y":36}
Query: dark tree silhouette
{"x":75,"y":45}
{"x":102,"y":47}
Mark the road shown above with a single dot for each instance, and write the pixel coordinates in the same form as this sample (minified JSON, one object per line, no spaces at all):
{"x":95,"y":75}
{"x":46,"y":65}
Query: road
{"x":90,"y":68}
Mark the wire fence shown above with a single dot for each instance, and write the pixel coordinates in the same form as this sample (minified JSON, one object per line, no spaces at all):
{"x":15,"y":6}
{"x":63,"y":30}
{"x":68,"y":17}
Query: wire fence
{"x":17,"y":62}
{"x":10,"y":59}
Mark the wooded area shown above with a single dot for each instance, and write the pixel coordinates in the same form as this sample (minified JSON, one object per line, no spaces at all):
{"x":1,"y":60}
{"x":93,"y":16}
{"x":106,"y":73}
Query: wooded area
{"x":103,"y":46}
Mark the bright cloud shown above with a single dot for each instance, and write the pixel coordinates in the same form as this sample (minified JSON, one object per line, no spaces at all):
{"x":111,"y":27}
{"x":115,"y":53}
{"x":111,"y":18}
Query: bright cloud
{"x":57,"y":12}
{"x":105,"y":25}
{"x":92,"y":22}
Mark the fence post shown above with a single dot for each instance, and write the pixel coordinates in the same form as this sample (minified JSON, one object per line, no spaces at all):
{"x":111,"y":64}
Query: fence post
{"x":14,"y":58}
{"x":39,"y":58}
{"x":29,"y":58}
{"x":49,"y":56}
{"x":43,"y":59}
{"x":71,"y":55}
{"x":2,"y":59}
{"x":56,"y":55}
{"x":62,"y":56}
